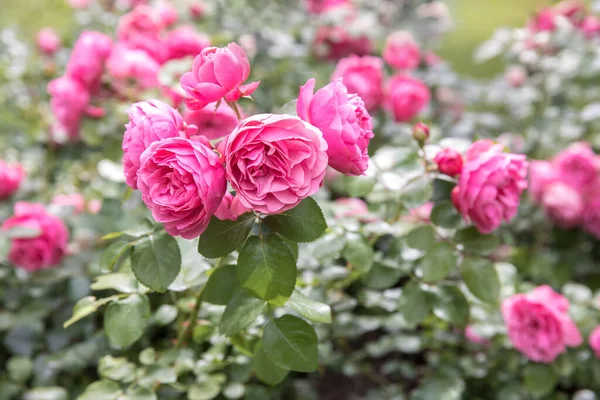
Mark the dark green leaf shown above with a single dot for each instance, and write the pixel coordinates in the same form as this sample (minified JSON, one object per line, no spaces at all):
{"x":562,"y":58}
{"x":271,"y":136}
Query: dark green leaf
{"x":477,"y":242}
{"x":292,"y":245}
{"x":222,"y":237}
{"x":383,"y":276}
{"x":413,"y":303}
{"x":310,"y":309}
{"x":303,"y":223}
{"x":291,"y":343}
{"x":221,"y":285}
{"x":240,"y":312}
{"x":416,"y":192}
{"x":358,"y":253}
{"x":438,"y":262}
{"x":539,"y":379}
{"x":113,"y":253}
{"x":116,"y":369}
{"x":481,"y":278}
{"x":451,"y":306}
{"x":19,"y":368}
{"x":119,"y":281}
{"x":266,"y":370}
{"x":358,"y":186}
{"x":156,"y":261}
{"x":422,"y":237}
{"x":266,"y":267}
{"x":125,"y":320}
{"x":445,"y":215}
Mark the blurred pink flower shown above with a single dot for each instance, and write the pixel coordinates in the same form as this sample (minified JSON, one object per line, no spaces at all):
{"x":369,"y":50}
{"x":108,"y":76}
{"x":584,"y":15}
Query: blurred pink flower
{"x":126,"y":65}
{"x":11,"y":177}
{"x":185,"y":41}
{"x":48,"y":41}
{"x":363,"y":76}
{"x":406,"y":97}
{"x":212,"y":122}
{"x":402,"y":51}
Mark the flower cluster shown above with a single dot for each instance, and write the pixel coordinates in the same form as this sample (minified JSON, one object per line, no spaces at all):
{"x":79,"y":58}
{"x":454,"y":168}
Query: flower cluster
{"x":11,"y":176}
{"x":567,"y":186}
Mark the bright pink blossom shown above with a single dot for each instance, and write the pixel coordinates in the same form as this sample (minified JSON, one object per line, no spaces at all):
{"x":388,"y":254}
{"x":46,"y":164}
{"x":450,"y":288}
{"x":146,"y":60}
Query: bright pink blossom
{"x":321,"y":6}
{"x":563,"y":204}
{"x":43,"y":245}
{"x":402,"y":51}
{"x":591,"y":26}
{"x":490,"y":186}
{"x":149,"y":121}
{"x":11,"y":177}
{"x":406,"y":97}
{"x":86,"y":63}
{"x":449,"y":161}
{"x":335,"y":42}
{"x":541,"y":173}
{"x":275,"y":161}
{"x":142,"y":29}
{"x":126,"y":65}
{"x":230,"y":208}
{"x":578,"y":165}
{"x":69,"y":101}
{"x":345,"y":123}
{"x":538,"y":324}
{"x":591,"y":217}
{"x":74,"y":201}
{"x":167,"y":13}
{"x":48,"y":41}
{"x":182,"y":183}
{"x":185,"y":41}
{"x":212,"y":122}
{"x":363,"y":76}
{"x":218,"y":73}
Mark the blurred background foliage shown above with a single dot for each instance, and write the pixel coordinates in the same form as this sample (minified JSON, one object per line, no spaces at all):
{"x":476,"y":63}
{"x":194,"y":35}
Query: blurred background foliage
{"x":474,"y":22}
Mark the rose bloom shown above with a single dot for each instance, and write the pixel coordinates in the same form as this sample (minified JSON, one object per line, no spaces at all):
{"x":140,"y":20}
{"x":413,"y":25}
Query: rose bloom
{"x":197,"y":9}
{"x":516,"y":76}
{"x":74,"y":201}
{"x":490,"y":186}
{"x":401,"y":51}
{"x":422,"y":213}
{"x":183,"y":183}
{"x":345,"y":123}
{"x":275,"y":161}
{"x":218,"y":73}
{"x":449,"y":161}
{"x":68,"y":102}
{"x":212,"y":121}
{"x":141,"y":29}
{"x":185,"y":41}
{"x":538,"y":324}
{"x":363,"y":76}
{"x":594,"y":341}
{"x":544,"y":21}
{"x":578,"y":165}
{"x":127,"y":65}
{"x":230,"y":208}
{"x":563,"y":204}
{"x":591,"y":217}
{"x":335,"y":42}
{"x":406,"y":97}
{"x":48,"y":244}
{"x":541,"y":174}
{"x":321,"y":6}
{"x":167,"y":13}
{"x":11,"y":177}
{"x":86,"y":63}
{"x":149,"y":121}
{"x":591,"y":26}
{"x":48,"y":41}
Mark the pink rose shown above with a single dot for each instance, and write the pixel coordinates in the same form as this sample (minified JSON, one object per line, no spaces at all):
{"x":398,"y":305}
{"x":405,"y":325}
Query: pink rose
{"x":48,"y":41}
{"x":478,"y":148}
{"x":345,"y":123}
{"x":538,"y":324}
{"x":74,"y":201}
{"x":422,"y":213}
{"x":594,"y":341}
{"x":321,"y":6}
{"x":275,"y":161}
{"x":591,"y":26}
{"x":149,"y":121}
{"x":401,"y":51}
{"x":185,"y":41}
{"x":406,"y":97}
{"x":541,"y":173}
{"x":94,"y":206}
{"x":577,"y":165}
{"x":141,"y":29}
{"x":212,"y":122}
{"x":363,"y":76}
{"x":42,"y":249}
{"x":474,"y":337}
{"x":11,"y":177}
{"x":68,"y":102}
{"x":544,"y":21}
{"x":353,"y":208}
{"x":218,"y":73}
{"x":563,"y":204}
{"x":126,"y":65}
{"x":591,"y":217}
{"x":449,"y":161}
{"x":490,"y":187}
{"x":197,"y":10}
{"x":230,"y":208}
{"x":167,"y":13}
{"x":86,"y":63}
{"x":182,"y":183}
{"x":516,"y":76}
{"x":335,"y":42}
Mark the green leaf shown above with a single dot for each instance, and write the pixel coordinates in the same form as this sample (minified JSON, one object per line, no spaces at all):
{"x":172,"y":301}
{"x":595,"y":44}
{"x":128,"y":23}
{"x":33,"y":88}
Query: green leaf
{"x":303,"y":223}
{"x":144,"y":228}
{"x":222,"y":237}
{"x":416,"y":192}
{"x":113,"y":253}
{"x":138,"y":393}
{"x":422,"y":237}
{"x":221,"y":285}
{"x":358,"y":186}
{"x":125,"y":320}
{"x":119,"y":281}
{"x":539,"y":379}
{"x":289,"y":108}
{"x":440,"y":387}
{"x":438,"y":262}
{"x":476,"y":242}
{"x":104,"y":389}
{"x":292,"y":245}
{"x":413,"y":303}
{"x":266,"y":267}
{"x":40,"y":393}
{"x":87,"y":306}
{"x":358,"y":253}
{"x":383,"y":276}
{"x":291,"y":343}
{"x":310,"y":309}
{"x":156,"y":261}
{"x":206,"y":390}
{"x":240,"y":312}
{"x":481,"y":278}
{"x":445,"y":215}
{"x":165,"y":314}
{"x":19,"y":368}
{"x":116,"y":369}
{"x":451,"y":306}
{"x":266,"y":370}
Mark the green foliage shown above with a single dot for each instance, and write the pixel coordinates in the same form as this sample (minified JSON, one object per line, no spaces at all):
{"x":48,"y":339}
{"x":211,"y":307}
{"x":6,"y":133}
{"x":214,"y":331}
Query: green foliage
{"x":303,"y":223}
{"x":125,"y":320}
{"x":291,"y":343}
{"x":156,"y":261}
{"x":221,"y":237}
